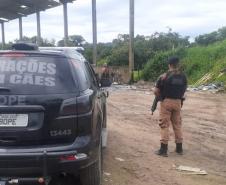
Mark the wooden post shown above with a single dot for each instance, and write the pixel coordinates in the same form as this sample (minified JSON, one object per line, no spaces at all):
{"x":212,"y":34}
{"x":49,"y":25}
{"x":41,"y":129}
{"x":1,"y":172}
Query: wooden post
{"x":131,"y":42}
{"x":94,"y":19}
{"x":65,"y":24}
{"x":3,"y":35}
{"x":38,"y":28}
{"x":20,"y":28}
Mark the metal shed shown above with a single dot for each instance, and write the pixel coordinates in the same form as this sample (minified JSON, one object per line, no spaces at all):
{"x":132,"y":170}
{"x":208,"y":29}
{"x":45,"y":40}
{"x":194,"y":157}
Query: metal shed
{"x":17,"y":9}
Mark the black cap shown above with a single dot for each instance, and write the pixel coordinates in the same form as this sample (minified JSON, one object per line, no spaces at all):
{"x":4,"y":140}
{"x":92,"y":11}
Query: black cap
{"x":173,"y":60}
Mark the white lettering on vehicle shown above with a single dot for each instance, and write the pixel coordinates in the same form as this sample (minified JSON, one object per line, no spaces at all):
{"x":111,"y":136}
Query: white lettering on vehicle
{"x":15,"y":79}
{"x":50,"y":81}
{"x":55,"y":133}
{"x":51,"y":69}
{"x":12,"y":100}
{"x":21,"y":66}
{"x":42,"y":68}
{"x":10,"y":66}
{"x":28,"y":79}
{"x":32,"y":72}
{"x":32,"y":67}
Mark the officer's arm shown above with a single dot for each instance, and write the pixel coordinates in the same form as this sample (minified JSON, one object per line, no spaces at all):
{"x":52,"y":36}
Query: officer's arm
{"x":185,"y":84}
{"x":157,"y":91}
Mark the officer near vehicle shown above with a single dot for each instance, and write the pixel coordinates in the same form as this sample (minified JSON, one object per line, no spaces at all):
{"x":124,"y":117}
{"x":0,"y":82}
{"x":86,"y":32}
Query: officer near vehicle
{"x":170,"y":89}
{"x":105,"y":79}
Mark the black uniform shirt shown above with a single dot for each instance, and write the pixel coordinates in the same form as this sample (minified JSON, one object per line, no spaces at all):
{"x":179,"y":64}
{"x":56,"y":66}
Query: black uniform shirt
{"x":172,"y":84}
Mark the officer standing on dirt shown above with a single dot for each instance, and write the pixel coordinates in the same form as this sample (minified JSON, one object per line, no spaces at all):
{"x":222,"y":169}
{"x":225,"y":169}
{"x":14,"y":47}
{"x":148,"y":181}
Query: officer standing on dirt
{"x":171,"y":87}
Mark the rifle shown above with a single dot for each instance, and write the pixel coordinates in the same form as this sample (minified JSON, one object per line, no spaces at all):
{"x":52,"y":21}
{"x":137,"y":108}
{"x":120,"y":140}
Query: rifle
{"x":157,"y":99}
{"x":182,"y":101}
{"x":155,"y":103}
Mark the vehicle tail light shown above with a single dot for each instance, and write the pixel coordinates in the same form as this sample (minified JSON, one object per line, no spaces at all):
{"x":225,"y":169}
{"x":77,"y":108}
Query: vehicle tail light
{"x":79,"y":156}
{"x":41,"y":180}
{"x":68,"y":107}
{"x":79,"y":105}
{"x":84,"y":104}
{"x":68,"y":158}
{"x":15,"y":55}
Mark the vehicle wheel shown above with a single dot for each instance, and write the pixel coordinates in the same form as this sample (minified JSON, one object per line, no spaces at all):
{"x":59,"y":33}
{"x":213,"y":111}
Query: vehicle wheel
{"x":92,"y":175}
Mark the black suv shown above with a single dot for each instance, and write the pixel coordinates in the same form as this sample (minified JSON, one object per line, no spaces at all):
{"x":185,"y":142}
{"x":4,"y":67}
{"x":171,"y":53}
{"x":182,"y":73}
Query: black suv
{"x":52,"y":116}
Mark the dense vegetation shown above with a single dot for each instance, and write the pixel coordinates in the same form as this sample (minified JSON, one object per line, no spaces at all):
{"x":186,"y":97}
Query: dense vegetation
{"x":207,"y":55}
{"x":146,"y":47}
{"x":200,"y":60}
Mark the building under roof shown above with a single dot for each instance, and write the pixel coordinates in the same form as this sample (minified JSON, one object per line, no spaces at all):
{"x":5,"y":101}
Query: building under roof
{"x":17,"y":9}
{"x":13,"y":9}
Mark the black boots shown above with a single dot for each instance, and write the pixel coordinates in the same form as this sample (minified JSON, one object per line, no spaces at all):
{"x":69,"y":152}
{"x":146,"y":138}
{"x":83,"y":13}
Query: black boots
{"x":179,"y":148}
{"x":163,"y":150}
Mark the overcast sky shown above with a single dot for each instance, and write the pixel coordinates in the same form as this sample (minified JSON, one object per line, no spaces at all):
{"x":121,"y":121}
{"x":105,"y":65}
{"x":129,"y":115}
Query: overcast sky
{"x":188,"y":17}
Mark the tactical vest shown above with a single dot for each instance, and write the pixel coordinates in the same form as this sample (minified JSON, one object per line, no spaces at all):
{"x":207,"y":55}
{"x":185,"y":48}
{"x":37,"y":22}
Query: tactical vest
{"x":174,"y":85}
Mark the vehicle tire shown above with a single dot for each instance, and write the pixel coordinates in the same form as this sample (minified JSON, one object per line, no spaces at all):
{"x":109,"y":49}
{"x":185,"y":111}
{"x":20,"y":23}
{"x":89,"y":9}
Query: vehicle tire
{"x":92,"y":175}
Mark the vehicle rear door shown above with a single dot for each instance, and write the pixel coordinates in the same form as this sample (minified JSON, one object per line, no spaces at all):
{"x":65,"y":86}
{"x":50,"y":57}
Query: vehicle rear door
{"x":37,"y":100}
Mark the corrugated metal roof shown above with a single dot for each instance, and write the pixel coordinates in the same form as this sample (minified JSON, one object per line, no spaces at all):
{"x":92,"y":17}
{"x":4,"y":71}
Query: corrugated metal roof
{"x":12,"y":9}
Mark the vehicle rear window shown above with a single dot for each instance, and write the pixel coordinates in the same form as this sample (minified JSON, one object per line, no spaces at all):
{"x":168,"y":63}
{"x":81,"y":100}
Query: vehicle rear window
{"x":35,"y":74}
{"x":79,"y":69}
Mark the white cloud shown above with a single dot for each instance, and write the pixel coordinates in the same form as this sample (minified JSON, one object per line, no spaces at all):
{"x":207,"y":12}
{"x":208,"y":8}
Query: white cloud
{"x":186,"y":17}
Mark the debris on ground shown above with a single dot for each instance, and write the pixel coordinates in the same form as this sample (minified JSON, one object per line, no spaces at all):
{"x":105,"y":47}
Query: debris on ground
{"x":213,"y":87}
{"x":147,"y":93}
{"x":107,"y":174}
{"x":204,"y":79}
{"x":144,"y":85}
{"x":119,"y":88}
{"x":115,"y":83}
{"x":119,"y":159}
{"x":191,"y":171}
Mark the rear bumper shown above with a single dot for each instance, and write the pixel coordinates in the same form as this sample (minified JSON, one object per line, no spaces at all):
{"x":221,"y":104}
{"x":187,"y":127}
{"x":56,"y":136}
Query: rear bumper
{"x":43,"y":162}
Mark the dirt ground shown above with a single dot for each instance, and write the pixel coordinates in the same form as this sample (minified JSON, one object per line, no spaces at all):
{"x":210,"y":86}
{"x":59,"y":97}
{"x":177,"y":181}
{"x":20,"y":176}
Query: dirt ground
{"x":134,"y":136}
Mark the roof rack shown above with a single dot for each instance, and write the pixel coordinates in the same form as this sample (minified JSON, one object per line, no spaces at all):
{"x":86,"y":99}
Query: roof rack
{"x":25,"y":47}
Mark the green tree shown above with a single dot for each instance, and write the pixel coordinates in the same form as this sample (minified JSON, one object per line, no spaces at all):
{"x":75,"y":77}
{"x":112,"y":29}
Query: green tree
{"x":145,"y":47}
{"x":7,"y":46}
{"x":158,"y":64}
{"x":88,"y":53}
{"x":212,"y":37}
{"x":34,"y":39}
{"x":119,"y":56}
{"x":73,"y":40}
{"x":207,"y":39}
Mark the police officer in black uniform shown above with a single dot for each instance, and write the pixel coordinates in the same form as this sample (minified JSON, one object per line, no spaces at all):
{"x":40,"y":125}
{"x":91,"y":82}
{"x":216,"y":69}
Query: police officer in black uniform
{"x":171,"y":87}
